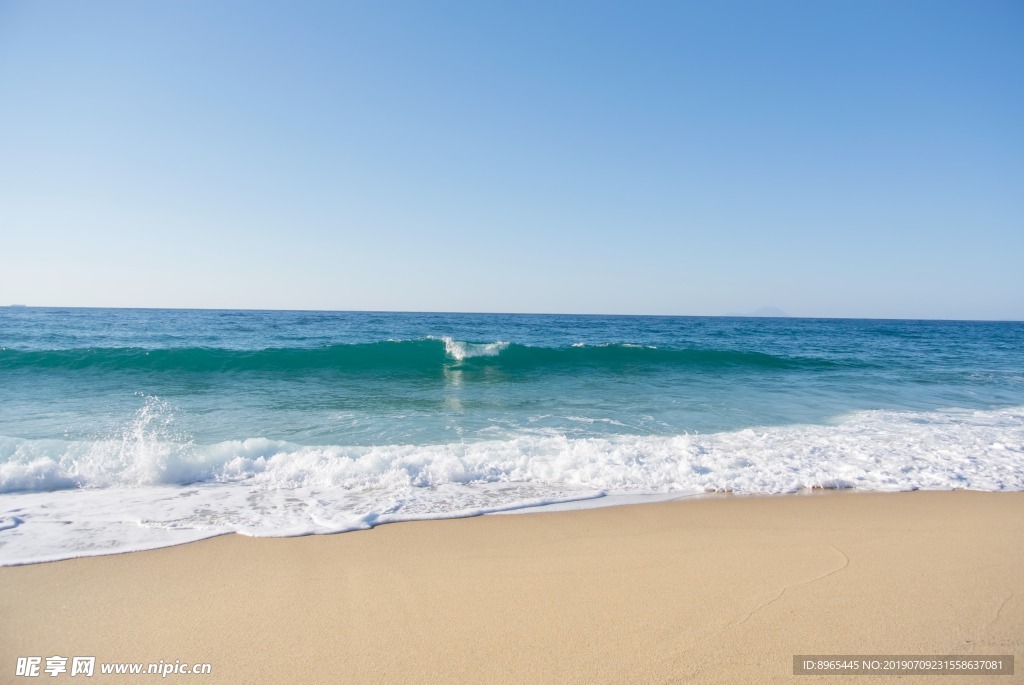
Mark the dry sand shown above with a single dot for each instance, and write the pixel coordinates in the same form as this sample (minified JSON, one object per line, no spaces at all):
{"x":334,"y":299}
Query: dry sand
{"x":721,"y":590}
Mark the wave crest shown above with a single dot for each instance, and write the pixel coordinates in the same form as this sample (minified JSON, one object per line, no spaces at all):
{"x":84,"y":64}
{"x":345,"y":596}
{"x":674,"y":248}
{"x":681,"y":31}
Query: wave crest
{"x":459,"y":350}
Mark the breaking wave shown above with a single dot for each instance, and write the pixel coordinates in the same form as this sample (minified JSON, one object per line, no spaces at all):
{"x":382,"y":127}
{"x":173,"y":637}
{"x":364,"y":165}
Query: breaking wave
{"x":430,"y":355}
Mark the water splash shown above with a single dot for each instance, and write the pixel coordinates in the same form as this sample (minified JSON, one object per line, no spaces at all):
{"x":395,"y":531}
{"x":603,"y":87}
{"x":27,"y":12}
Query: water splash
{"x":459,"y":350}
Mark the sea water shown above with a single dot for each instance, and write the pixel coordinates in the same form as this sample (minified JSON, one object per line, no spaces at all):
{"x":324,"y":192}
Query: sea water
{"x":132,"y":429}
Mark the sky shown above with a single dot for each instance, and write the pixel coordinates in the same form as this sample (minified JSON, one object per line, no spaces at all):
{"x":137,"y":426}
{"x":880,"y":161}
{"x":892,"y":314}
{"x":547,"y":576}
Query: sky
{"x":849,"y":159}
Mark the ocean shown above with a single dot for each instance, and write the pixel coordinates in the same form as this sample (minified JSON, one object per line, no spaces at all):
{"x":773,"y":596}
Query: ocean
{"x":131,"y":429}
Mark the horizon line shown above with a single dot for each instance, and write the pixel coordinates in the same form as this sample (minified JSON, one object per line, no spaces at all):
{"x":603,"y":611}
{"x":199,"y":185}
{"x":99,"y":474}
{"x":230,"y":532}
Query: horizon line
{"x":508,"y":313}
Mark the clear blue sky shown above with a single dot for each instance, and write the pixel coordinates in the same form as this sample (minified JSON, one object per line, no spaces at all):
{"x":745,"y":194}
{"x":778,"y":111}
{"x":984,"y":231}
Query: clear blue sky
{"x":828,"y":158}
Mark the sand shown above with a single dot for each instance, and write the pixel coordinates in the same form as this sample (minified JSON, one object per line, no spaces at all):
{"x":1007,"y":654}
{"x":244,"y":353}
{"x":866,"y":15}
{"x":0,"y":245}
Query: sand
{"x":719,"y":590}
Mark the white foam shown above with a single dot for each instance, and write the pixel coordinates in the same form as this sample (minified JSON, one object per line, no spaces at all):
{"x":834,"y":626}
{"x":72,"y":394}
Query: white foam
{"x":146,"y":489}
{"x":459,"y":350}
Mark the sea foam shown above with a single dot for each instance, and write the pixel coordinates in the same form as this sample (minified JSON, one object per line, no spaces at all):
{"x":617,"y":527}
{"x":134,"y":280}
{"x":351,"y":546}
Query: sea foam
{"x":459,"y":350}
{"x":148,"y":487}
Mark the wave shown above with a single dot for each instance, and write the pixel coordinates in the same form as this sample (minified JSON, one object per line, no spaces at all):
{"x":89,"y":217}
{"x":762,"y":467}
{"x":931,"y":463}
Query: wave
{"x":874,"y":450}
{"x":430,"y":355}
{"x":145,"y":489}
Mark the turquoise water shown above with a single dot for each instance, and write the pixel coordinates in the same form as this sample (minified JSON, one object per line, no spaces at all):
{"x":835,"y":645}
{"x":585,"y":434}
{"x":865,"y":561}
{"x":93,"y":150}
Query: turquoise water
{"x":182,"y":424}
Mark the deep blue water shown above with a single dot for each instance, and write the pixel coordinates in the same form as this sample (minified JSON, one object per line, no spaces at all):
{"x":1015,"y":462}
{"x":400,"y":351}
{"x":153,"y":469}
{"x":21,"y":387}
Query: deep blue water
{"x":354,"y":378}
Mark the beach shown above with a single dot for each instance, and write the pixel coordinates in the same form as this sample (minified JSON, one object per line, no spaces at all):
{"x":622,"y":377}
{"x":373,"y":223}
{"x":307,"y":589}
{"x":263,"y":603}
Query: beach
{"x":715,"y":589}
{"x":511,"y":343}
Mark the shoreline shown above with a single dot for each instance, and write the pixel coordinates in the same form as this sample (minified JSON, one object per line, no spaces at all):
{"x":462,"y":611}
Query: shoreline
{"x":603,"y":501}
{"x":697,"y":589}
{"x":84,"y":497}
